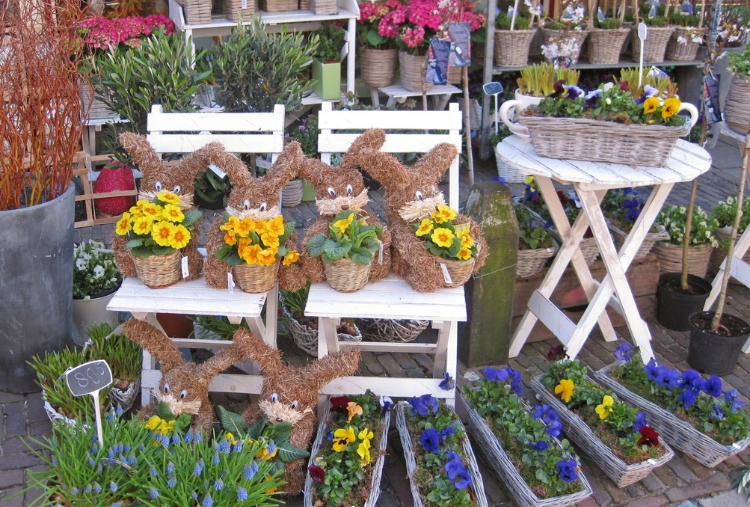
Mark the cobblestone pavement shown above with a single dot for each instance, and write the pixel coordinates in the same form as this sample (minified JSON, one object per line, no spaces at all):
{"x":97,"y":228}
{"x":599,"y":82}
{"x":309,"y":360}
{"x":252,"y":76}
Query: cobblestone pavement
{"x":680,"y":482}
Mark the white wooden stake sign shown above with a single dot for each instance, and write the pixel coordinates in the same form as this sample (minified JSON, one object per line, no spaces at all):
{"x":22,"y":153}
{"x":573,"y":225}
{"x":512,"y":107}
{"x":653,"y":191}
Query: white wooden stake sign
{"x":90,"y":378}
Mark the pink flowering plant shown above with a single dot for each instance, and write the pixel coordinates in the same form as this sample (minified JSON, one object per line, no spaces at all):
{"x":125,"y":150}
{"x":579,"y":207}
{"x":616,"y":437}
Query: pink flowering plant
{"x":372,"y":30}
{"x":101,"y":34}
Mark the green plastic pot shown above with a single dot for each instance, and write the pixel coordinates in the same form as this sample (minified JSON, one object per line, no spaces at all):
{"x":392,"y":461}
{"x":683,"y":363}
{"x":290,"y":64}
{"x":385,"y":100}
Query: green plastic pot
{"x":327,"y":78}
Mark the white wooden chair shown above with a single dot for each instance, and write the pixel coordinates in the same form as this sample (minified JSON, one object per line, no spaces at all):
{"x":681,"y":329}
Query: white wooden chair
{"x":392,"y":297}
{"x":176,"y":133}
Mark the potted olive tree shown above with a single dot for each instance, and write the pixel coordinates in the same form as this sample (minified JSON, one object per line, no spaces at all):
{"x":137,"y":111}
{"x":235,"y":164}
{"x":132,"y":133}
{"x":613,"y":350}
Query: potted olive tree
{"x":326,"y":67}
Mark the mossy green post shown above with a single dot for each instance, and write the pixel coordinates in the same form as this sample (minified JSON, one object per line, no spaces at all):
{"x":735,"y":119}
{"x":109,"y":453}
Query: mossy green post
{"x":485,"y":338}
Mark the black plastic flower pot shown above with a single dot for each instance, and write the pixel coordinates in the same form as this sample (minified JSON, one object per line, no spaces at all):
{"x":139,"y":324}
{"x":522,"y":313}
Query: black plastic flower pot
{"x":711,"y":353}
{"x":674,"y":307}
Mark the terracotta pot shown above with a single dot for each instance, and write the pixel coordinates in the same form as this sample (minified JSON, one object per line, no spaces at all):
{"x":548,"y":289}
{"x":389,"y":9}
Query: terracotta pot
{"x":176,"y":325}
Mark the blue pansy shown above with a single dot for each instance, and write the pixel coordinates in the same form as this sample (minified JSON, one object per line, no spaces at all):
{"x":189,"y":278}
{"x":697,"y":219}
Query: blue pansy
{"x":448,"y":383}
{"x":539,"y":446}
{"x":640,"y":421}
{"x":688,"y":397}
{"x":430,"y":440}
{"x":423,"y":405}
{"x":567,"y":470}
{"x":624,"y":352}
{"x":717,"y":413}
{"x":713,"y":386}
{"x":650,"y":370}
{"x":493,"y":374}
{"x":446,"y":432}
{"x":691,"y":379}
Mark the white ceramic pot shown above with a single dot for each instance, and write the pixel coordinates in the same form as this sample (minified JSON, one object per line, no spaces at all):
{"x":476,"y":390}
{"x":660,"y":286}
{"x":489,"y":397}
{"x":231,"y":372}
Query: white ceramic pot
{"x":511,"y":108}
{"x":87,"y":312}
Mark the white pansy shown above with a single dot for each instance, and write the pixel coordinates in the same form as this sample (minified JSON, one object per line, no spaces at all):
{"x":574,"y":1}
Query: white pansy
{"x":80,"y":264}
{"x":98,"y":271}
{"x":608,"y":86}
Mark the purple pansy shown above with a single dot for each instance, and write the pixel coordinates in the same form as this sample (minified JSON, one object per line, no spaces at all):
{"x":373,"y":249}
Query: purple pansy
{"x":423,"y":405}
{"x":567,"y":470}
{"x":624,"y":352}
{"x":430,"y":440}
{"x":713,"y":386}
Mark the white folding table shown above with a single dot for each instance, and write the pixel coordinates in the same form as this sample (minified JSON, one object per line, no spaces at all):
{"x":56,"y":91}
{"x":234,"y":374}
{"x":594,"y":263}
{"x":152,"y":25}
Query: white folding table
{"x":591,"y":180}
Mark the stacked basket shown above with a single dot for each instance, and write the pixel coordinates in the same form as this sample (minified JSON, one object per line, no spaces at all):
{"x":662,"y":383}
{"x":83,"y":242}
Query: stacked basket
{"x":197,"y":12}
{"x":239,"y":10}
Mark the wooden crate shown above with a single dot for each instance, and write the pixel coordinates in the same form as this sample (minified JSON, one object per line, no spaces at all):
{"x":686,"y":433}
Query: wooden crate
{"x":643,"y":276}
{"x":87,"y":175}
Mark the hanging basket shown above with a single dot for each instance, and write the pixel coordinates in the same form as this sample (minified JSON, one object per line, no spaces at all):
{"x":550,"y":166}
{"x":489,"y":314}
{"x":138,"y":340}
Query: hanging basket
{"x":512,"y":48}
{"x":413,"y":72}
{"x":680,"y":434}
{"x":306,"y":337}
{"x":507,"y":471}
{"x":378,"y":66}
{"x":377,"y":466}
{"x":157,"y":271}
{"x":579,"y":432}
{"x":683,"y":51}
{"x":531,"y":262}
{"x":655,"y":45}
{"x":344,"y":275}
{"x":619,"y":236}
{"x":604,"y":46}
{"x":291,"y":194}
{"x":737,"y":104}
{"x":390,"y":330}
{"x":560,"y":35}
{"x":459,"y":271}
{"x":256,"y":279}
{"x":670,"y":258}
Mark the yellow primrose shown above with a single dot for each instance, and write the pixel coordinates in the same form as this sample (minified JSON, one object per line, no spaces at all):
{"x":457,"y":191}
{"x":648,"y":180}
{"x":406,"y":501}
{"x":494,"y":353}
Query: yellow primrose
{"x":342,"y":224}
{"x":248,"y":253}
{"x":168,"y":197}
{"x":670,"y":107}
{"x":231,"y":224}
{"x":272,"y":490}
{"x":230,"y":239}
{"x":244,"y":227}
{"x":442,"y":237}
{"x":180,"y":237}
{"x":606,"y":407}
{"x":142,"y":225}
{"x":152,"y":211}
{"x":650,"y":105}
{"x":446,"y":212}
{"x":290,"y":258}
{"x":275,"y":226}
{"x":123,"y":225}
{"x":266,"y":257}
{"x":353,"y":410}
{"x":269,"y":240}
{"x":173,"y":213}
{"x":464,"y":254}
{"x":565,"y":389}
{"x":230,"y":438}
{"x":161,"y":232}
{"x":425,"y":227}
{"x":466,"y":240}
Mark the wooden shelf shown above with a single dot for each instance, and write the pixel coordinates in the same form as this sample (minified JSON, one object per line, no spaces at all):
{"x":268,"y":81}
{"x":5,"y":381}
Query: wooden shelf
{"x":619,"y":65}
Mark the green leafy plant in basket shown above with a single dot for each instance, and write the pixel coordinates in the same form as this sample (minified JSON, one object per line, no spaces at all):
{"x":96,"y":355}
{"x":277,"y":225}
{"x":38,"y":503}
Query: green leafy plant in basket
{"x":330,"y":42}
{"x":94,"y":271}
{"x":348,"y":238}
{"x":503,"y":22}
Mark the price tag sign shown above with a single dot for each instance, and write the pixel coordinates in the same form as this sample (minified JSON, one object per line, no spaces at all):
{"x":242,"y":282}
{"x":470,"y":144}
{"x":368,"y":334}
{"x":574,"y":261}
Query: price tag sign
{"x":90,"y":378}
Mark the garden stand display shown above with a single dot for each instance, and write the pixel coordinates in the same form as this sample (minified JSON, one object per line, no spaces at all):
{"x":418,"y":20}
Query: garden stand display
{"x":531,"y":262}
{"x":377,"y":467}
{"x":604,"y":46}
{"x":618,"y":235}
{"x":506,"y":470}
{"x":680,"y":434}
{"x":616,"y":469}
{"x":411,"y":464}
{"x":512,"y":47}
{"x":306,"y":337}
{"x":615,"y":143}
{"x":391,"y":330}
{"x":670,"y":258}
{"x":654,"y":46}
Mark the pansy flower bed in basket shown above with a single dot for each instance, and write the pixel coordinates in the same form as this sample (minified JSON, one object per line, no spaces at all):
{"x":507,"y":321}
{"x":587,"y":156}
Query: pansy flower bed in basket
{"x":693,"y":414}
{"x":622,"y":207}
{"x":521,"y":443}
{"x":441,"y":464}
{"x":347,"y":457}
{"x":610,"y":124}
{"x":615,"y":435}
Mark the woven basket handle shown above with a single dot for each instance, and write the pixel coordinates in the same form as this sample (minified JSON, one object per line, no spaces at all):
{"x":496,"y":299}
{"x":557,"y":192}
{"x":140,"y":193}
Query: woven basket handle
{"x":514,"y":127}
{"x":687,"y":106}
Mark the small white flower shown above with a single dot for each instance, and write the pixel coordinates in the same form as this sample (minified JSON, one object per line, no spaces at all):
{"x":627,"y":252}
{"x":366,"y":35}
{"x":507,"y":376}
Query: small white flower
{"x":681,"y":40}
{"x":98,"y":272}
{"x":608,"y":101}
{"x":80,"y":264}
{"x":683,"y":210}
{"x":85,"y":256}
{"x":608,"y":86}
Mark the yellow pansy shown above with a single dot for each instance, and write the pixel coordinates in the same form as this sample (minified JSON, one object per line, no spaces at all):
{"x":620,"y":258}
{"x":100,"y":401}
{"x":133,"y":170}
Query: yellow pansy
{"x":565,"y":389}
{"x":342,"y":224}
{"x":464,"y":254}
{"x":168,"y":197}
{"x":343,"y":437}
{"x":529,"y":180}
{"x":365,"y":434}
{"x":180,"y":237}
{"x":442,"y":237}
{"x":275,"y":226}
{"x":424,"y":227}
{"x":606,"y":407}
{"x":173,"y":213}
{"x":670,"y":107}
{"x":353,"y":410}
{"x":266,"y":257}
{"x":264,"y":453}
{"x":142,"y":225}
{"x":154,"y":422}
{"x":161,"y":232}
{"x":650,"y":105}
{"x":291,"y":257}
{"x":269,"y":240}
{"x":363,"y":449}
{"x":123,"y":225}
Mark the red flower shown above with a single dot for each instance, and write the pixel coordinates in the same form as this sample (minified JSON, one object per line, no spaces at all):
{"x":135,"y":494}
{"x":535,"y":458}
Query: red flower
{"x":339,"y":403}
{"x":317,"y":474}
{"x":649,"y":436}
{"x":555,"y":353}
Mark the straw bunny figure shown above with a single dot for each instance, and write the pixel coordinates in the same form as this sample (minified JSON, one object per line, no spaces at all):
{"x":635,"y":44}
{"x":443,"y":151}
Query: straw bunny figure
{"x":178,"y":178}
{"x":338,"y":189}
{"x":412,"y":194}
{"x":184,"y":385}
{"x":256,"y":198}
{"x":290,"y":394}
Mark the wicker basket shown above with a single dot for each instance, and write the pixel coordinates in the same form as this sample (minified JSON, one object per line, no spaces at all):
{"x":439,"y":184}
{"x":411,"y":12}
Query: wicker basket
{"x":390,"y":330}
{"x":459,"y":271}
{"x":127,"y":398}
{"x":683,"y":52}
{"x":648,"y":243}
{"x":324,"y":7}
{"x":511,"y":174}
{"x":604,"y":46}
{"x":559,"y":35}
{"x":377,"y":467}
{"x":680,"y":434}
{"x":306,"y":337}
{"x":477,"y":484}
{"x":655,"y":45}
{"x":670,"y":258}
{"x":606,"y":141}
{"x":378,"y":66}
{"x":239,"y":10}
{"x":278,"y":5}
{"x":621,"y":474}
{"x":97,"y":110}
{"x":344,"y":275}
{"x":305,"y":5}
{"x":507,"y":471}
{"x":291,"y":194}
{"x":512,"y":48}
{"x":157,"y":271}
{"x":531,"y":262}
{"x":413,"y":72}
{"x":197,"y":12}
{"x":737,"y":104}
{"x":256,"y":279}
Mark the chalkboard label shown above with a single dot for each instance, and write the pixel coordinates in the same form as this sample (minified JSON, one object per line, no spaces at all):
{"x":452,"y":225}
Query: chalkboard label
{"x":89,"y":377}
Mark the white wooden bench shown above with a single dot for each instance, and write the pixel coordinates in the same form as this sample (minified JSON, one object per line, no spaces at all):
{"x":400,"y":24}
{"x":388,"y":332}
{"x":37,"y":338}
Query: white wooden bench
{"x":176,"y":133}
{"x":392,"y":297}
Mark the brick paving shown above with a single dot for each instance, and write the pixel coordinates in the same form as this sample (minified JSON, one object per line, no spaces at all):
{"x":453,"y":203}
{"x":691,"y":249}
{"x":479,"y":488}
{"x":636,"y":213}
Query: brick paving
{"x":678,"y":483}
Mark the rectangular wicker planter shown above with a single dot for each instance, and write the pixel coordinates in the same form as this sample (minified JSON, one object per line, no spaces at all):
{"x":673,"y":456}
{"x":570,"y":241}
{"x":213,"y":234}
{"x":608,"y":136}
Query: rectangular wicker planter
{"x":621,"y":473}
{"x":377,"y":471}
{"x":618,"y":235}
{"x":680,"y":434}
{"x":606,"y":141}
{"x":411,"y":462}
{"x":507,"y":471}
